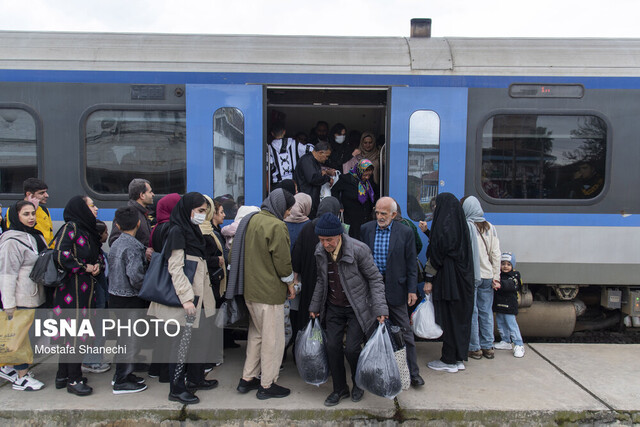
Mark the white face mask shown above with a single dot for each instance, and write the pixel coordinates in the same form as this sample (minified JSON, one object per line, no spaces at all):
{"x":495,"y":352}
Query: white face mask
{"x":198,"y":218}
{"x":340,"y":139}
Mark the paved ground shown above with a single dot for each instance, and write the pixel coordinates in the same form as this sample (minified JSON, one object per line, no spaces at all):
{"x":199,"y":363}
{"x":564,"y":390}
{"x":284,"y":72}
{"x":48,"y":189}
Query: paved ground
{"x":552,"y":384}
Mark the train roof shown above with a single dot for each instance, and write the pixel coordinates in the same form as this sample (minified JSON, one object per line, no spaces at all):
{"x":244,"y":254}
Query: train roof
{"x":319,"y":54}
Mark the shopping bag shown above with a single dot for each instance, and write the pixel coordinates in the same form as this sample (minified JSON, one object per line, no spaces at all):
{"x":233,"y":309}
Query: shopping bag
{"x":377,"y":370}
{"x":15,"y":347}
{"x":233,"y":313}
{"x":423,"y":320}
{"x":400,"y":353}
{"x":311,"y":354}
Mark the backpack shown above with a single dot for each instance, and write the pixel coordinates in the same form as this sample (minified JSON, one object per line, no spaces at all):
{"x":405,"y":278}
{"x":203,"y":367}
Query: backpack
{"x":46,"y":271}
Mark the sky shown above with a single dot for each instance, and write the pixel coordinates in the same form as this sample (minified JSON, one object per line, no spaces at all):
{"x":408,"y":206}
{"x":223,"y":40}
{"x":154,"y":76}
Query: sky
{"x":451,"y":18}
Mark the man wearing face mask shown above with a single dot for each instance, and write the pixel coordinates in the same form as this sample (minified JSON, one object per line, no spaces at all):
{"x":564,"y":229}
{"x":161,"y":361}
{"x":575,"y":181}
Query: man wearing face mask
{"x":341,"y":152}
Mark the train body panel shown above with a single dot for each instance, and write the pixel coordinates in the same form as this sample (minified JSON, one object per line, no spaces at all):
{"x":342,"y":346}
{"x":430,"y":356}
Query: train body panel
{"x":461,"y":115}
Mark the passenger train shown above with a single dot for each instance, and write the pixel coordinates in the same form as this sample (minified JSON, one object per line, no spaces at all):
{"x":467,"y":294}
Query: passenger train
{"x":545,"y":132}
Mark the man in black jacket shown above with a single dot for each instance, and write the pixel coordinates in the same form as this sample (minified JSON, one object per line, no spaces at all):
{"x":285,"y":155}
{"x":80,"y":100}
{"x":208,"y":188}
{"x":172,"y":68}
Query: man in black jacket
{"x":394,"y":252}
{"x":310,"y":176}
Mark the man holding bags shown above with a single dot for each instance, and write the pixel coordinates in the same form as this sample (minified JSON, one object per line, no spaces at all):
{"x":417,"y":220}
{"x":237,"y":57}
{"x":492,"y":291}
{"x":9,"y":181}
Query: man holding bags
{"x":349,"y":295}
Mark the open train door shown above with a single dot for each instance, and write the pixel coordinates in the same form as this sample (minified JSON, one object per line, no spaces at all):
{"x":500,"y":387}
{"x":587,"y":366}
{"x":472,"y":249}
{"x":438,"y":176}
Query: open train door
{"x":428,"y":128}
{"x":224,"y":130}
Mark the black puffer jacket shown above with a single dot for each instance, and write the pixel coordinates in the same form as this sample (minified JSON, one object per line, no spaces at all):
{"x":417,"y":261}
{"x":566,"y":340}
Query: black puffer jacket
{"x":505,"y":299}
{"x":361,"y":281}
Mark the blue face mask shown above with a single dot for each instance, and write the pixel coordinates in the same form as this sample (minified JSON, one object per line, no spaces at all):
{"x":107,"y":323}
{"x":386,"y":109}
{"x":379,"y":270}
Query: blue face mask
{"x":340,"y":139}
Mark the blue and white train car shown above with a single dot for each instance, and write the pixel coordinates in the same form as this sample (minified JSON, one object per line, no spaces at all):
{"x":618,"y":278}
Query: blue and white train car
{"x":543,"y":131}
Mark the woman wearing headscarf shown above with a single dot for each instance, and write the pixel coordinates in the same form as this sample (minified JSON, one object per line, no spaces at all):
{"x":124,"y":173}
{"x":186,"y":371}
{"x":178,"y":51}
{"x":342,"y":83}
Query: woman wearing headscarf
{"x":304,"y":260}
{"x":19,"y":249}
{"x":229,"y":231}
{"x":265,"y":277}
{"x":163,"y":214}
{"x":185,"y":241}
{"x":449,"y":252}
{"x":156,"y":240}
{"x":78,"y":252}
{"x":368,"y":149}
{"x":356,"y":193}
{"x":486,"y":272}
{"x":296,"y":220}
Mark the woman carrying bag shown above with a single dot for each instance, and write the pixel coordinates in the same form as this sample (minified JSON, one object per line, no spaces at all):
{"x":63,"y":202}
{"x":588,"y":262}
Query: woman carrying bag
{"x":79,"y":254}
{"x":185,"y":241}
{"x":19,"y":248}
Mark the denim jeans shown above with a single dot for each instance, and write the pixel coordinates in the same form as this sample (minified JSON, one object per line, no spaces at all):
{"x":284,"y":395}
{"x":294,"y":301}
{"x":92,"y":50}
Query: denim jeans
{"x":508,"y":328}
{"x":482,"y":319}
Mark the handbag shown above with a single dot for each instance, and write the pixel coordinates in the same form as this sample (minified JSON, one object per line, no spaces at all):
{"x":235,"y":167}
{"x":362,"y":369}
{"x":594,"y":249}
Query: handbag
{"x":217,"y":276}
{"x":15,"y":347}
{"x":46,"y":271}
{"x":396,"y":334}
{"x":158,"y":284}
{"x":233,"y":313}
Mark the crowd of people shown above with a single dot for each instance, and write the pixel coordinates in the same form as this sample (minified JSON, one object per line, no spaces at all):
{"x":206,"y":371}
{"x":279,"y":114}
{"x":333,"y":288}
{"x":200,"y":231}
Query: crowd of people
{"x":345,"y":256}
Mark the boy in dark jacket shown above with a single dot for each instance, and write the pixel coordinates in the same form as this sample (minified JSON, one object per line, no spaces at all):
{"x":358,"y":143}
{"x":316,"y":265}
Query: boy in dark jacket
{"x":505,"y":305}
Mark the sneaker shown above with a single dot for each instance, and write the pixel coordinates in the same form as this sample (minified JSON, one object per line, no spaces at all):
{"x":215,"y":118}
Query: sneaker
{"x":274,"y":391}
{"x":131,"y":378}
{"x":460,"y":365}
{"x":518,"y":351}
{"x":79,"y":388}
{"x":502,"y":345}
{"x":247,"y":386}
{"x":128,"y":387}
{"x":439,"y":365}
{"x":27,"y":383}
{"x":8,"y":373}
{"x":96,"y":368}
{"x":475,"y":354}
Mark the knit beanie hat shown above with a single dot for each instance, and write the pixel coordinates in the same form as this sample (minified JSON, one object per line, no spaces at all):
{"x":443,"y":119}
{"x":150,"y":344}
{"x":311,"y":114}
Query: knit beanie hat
{"x":328,"y":225}
{"x":508,"y":256}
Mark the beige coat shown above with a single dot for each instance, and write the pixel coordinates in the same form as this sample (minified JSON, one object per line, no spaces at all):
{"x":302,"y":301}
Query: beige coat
{"x":16,"y":263}
{"x":186,"y":291}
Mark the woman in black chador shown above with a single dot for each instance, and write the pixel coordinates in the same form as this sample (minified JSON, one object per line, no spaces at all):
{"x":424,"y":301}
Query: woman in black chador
{"x":449,"y":253}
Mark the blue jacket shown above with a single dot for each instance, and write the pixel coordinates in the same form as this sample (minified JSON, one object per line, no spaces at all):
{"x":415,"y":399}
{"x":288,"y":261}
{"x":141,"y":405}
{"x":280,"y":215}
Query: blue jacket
{"x":401,"y":277}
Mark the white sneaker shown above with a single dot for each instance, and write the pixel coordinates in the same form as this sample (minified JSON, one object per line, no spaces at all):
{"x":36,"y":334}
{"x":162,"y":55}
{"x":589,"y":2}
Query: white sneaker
{"x":460,"y":365}
{"x":8,"y":373}
{"x":518,"y":351}
{"x":96,"y":368}
{"x":439,"y":365}
{"x":502,"y":345}
{"x":27,"y":383}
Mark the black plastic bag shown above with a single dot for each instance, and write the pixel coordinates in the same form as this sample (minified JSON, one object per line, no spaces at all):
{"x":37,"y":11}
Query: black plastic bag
{"x":377,"y":367}
{"x":311,"y":354}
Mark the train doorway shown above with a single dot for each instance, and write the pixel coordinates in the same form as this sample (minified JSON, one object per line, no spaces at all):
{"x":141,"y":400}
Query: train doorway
{"x":300,"y":109}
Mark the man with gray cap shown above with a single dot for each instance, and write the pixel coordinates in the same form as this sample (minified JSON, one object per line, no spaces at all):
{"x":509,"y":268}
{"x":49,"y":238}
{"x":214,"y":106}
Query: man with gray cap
{"x":345,"y":305}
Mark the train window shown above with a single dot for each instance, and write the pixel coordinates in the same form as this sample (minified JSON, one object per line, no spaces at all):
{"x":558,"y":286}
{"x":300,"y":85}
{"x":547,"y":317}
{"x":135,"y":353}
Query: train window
{"x":228,"y":159}
{"x":126,"y":144}
{"x":424,"y":156}
{"x":531,"y":156}
{"x":18,"y":149}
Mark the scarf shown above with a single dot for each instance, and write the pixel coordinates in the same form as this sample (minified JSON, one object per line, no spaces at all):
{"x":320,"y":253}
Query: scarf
{"x":275,"y":203}
{"x":300,"y":211}
{"x":183,"y":234}
{"x":473,"y":213}
{"x":79,"y":213}
{"x":163,"y":212}
{"x":15,"y":224}
{"x":365,"y":191}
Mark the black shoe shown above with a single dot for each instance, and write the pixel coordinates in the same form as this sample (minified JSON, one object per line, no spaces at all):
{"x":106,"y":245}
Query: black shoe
{"x":274,"y":391}
{"x":185,"y":398}
{"x":62,"y":382}
{"x":131,"y":378}
{"x":128,"y":387}
{"x":231,"y":344}
{"x":247,"y":386}
{"x":417,"y":381}
{"x":204,"y":385}
{"x":79,"y":388}
{"x":208,"y":367}
{"x":335,"y":397}
{"x":356,"y":394}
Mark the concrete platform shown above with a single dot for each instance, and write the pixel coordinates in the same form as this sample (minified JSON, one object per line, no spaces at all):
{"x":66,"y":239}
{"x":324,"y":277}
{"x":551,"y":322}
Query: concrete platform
{"x":552,"y":384}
